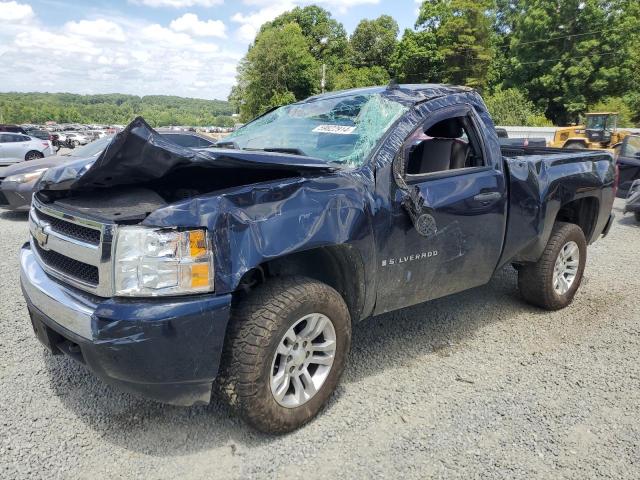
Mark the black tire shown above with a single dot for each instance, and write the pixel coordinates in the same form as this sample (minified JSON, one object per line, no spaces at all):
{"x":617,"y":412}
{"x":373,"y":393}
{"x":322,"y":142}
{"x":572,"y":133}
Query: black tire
{"x":535,"y":280}
{"x":637,"y":215}
{"x":33,"y":155}
{"x":258,"y":323}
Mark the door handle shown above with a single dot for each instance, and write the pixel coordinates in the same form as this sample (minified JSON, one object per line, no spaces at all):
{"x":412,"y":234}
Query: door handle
{"x":488,"y":197}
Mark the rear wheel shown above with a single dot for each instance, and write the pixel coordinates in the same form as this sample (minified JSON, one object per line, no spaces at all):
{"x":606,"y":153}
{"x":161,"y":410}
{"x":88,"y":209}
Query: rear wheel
{"x":33,"y":155}
{"x":285,"y":351}
{"x":553,"y":280}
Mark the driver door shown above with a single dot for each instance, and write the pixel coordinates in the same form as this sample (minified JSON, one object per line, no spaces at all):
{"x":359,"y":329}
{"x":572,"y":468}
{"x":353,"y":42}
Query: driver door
{"x":448,"y":213}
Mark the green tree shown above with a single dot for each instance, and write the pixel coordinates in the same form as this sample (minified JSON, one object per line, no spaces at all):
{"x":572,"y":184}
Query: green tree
{"x":417,"y":59}
{"x":571,"y":54}
{"x":616,"y":104}
{"x":374,"y":41}
{"x":463,"y":35}
{"x":278,"y":68}
{"x":352,"y":77}
{"x":326,"y":37}
{"x":512,"y":107}
{"x":110,"y":109}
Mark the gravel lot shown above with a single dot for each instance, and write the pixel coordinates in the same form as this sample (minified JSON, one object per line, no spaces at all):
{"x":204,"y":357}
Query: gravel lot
{"x":479,"y":385}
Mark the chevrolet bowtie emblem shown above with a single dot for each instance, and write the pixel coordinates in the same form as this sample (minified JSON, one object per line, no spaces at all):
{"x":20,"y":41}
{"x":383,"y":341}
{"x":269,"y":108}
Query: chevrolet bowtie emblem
{"x":41,"y":234}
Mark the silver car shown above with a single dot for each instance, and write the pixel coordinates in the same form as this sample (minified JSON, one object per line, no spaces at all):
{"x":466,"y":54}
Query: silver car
{"x":16,"y":147}
{"x":17,"y":182}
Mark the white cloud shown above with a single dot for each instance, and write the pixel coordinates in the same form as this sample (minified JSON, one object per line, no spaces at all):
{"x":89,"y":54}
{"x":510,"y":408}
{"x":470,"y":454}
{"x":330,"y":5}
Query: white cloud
{"x":190,"y":23}
{"x":14,"y":12}
{"x":251,"y":23}
{"x":96,"y":29}
{"x":160,"y":35}
{"x":342,"y":6}
{"x":114,"y":52}
{"x":179,"y":3}
{"x":82,"y":57}
{"x":38,"y":39}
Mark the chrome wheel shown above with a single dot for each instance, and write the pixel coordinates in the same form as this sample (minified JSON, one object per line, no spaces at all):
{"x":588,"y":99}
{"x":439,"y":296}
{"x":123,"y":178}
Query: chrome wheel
{"x":566,"y":268}
{"x":303,"y":360}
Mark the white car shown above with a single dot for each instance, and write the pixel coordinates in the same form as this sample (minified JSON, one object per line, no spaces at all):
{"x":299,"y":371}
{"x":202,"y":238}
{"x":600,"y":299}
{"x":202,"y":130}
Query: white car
{"x":16,"y":147}
{"x":77,"y":139}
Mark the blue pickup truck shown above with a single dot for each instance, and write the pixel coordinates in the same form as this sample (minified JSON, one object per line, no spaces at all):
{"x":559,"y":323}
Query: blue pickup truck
{"x":242,"y":269}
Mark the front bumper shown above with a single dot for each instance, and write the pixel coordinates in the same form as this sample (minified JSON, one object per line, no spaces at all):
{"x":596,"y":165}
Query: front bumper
{"x":165,"y":349}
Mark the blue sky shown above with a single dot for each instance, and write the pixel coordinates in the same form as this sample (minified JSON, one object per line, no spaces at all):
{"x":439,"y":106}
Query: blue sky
{"x":147,"y":47}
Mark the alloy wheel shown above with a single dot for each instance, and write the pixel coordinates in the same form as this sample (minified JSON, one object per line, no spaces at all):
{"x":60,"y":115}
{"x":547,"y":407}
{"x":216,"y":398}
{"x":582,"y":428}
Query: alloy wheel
{"x":566,"y":268}
{"x":303,"y":360}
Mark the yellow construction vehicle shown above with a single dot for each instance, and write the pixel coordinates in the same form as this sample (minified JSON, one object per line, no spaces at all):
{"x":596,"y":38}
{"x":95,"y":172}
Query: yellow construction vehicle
{"x":600,"y":132}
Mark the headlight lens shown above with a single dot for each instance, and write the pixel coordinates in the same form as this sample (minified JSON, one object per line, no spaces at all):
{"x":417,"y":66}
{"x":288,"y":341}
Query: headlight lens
{"x":154,"y":262}
{"x":26,"y":177}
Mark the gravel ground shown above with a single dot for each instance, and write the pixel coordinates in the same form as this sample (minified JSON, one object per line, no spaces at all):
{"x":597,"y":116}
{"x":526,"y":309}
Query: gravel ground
{"x":478,"y":385}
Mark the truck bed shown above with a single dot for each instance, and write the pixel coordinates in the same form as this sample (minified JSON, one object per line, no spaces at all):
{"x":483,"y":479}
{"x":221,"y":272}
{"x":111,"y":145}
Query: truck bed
{"x":540,"y":180}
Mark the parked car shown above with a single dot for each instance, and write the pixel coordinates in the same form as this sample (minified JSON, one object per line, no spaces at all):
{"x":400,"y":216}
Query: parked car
{"x":12,"y":129}
{"x":632,"y":204}
{"x":251,"y":262}
{"x":628,"y":160}
{"x":17,"y":182}
{"x":76,"y":139}
{"x":37,"y":133}
{"x":16,"y":147}
{"x":187,"y":138}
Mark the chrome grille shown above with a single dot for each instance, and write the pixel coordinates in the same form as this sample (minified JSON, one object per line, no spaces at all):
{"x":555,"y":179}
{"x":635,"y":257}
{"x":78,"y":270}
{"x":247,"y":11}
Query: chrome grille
{"x":73,"y":230}
{"x":73,"y":268}
{"x":73,"y":249}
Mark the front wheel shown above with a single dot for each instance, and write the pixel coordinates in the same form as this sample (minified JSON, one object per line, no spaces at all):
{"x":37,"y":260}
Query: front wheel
{"x":553,"y":280}
{"x":33,"y":155}
{"x":575,"y":145}
{"x":285,"y":351}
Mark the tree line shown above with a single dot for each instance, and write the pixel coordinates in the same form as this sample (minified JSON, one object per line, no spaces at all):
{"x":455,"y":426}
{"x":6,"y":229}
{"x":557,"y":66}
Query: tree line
{"x":536,"y":62}
{"x":113,"y":109}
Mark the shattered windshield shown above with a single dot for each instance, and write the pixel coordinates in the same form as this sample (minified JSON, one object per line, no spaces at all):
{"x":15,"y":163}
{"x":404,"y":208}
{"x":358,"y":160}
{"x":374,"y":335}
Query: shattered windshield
{"x":340,"y":130}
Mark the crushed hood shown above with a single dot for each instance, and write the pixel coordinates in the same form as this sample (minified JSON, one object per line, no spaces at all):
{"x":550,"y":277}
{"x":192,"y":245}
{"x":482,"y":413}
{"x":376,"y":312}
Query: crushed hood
{"x":139,"y":154}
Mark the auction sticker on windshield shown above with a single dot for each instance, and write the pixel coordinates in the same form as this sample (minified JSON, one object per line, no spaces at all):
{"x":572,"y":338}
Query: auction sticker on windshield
{"x":335,"y":129}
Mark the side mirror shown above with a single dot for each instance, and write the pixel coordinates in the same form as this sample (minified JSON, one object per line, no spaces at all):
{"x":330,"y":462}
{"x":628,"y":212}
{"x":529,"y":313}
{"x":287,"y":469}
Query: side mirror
{"x":421,"y":216}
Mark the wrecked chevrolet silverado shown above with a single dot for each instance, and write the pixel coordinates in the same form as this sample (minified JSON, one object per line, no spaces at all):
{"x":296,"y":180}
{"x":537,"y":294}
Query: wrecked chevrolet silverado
{"x":169,"y":272}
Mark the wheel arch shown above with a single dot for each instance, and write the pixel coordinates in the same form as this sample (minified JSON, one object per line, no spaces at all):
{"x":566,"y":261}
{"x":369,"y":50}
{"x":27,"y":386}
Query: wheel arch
{"x":339,"y":266}
{"x":582,"y":212}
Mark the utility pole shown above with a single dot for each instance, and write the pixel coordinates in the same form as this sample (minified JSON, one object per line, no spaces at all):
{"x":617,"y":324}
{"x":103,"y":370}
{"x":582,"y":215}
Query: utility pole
{"x":323,"y":81}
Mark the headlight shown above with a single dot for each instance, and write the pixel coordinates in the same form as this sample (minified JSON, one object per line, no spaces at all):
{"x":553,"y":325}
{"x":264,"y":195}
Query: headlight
{"x":26,"y":177}
{"x":155,"y":261}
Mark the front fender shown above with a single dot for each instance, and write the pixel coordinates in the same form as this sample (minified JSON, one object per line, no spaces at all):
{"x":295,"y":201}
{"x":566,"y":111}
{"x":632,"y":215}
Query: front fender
{"x":257,"y":223}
